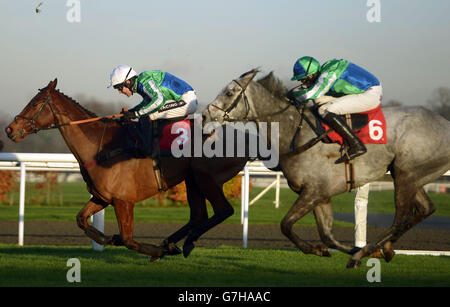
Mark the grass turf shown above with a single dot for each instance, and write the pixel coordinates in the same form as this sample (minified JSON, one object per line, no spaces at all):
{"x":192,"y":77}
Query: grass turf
{"x":210,"y":267}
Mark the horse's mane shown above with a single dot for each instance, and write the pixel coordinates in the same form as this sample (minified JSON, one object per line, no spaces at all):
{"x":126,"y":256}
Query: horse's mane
{"x":74,"y":101}
{"x":273,"y":85}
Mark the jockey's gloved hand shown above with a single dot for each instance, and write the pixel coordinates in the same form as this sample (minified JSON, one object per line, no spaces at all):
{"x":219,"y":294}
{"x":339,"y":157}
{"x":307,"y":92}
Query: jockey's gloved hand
{"x":128,"y":115}
{"x":290,"y":95}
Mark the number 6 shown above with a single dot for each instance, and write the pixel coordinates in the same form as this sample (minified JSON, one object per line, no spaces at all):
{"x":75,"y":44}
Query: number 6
{"x":375,"y":132}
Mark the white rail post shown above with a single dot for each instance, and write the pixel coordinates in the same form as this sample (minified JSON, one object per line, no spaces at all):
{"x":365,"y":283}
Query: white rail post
{"x":22,"y":202}
{"x":242,"y":197}
{"x":361,"y":200}
{"x":246,"y":197}
{"x":277,"y":191}
{"x":98,"y":221}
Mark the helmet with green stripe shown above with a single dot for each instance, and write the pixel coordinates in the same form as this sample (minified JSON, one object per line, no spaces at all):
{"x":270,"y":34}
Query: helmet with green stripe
{"x":304,"y":67}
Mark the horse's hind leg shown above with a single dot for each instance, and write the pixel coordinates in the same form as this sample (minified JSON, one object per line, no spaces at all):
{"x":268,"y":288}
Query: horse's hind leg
{"x":222,"y":209}
{"x":422,"y":207}
{"x":412,"y":206}
{"x":92,"y":207}
{"x":323,"y":213}
{"x":125,"y":220}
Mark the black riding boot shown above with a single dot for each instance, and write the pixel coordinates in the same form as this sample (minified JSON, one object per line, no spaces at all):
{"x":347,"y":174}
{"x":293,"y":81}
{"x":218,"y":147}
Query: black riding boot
{"x":340,"y":126}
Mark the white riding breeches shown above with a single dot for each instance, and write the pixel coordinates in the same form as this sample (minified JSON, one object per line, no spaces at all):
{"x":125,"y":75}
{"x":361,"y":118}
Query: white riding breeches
{"x":173,"y":109}
{"x":354,"y":103}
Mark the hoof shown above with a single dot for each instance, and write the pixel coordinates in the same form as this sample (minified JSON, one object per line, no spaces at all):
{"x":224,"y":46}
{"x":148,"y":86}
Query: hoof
{"x":154,"y":259}
{"x":187,"y":249}
{"x":388,"y":255}
{"x":377,"y":254}
{"x":388,"y":251}
{"x":170,"y":249}
{"x":173,"y":250}
{"x":352,"y":263}
{"x":116,"y":240}
{"x":326,"y":254}
{"x":322,"y":250}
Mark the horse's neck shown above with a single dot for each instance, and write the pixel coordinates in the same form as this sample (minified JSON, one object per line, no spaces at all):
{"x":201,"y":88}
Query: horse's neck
{"x":288,"y":118}
{"x":83,"y":140}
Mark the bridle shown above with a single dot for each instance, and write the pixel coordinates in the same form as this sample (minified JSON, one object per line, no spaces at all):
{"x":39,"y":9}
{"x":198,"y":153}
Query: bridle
{"x":32,"y":121}
{"x":235,"y":103}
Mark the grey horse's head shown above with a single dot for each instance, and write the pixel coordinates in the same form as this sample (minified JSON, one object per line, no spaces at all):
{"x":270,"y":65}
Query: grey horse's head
{"x":231,"y":104}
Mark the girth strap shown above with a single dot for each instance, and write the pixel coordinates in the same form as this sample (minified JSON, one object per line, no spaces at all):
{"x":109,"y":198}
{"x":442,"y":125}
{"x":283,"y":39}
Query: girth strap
{"x":349,"y":169}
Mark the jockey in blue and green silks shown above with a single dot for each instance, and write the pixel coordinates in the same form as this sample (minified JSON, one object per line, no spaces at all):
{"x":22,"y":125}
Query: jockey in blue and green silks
{"x":354,"y":90}
{"x":164,"y":95}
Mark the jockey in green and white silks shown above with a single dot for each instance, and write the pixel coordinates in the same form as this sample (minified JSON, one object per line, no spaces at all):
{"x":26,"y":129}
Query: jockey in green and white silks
{"x":164,"y":95}
{"x":352,"y":90}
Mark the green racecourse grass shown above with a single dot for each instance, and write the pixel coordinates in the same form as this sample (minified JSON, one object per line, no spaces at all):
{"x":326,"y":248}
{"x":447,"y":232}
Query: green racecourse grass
{"x":210,"y":267}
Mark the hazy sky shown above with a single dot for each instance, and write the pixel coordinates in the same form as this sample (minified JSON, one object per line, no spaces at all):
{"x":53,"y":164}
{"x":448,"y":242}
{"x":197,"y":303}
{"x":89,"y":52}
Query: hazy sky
{"x":208,"y":43}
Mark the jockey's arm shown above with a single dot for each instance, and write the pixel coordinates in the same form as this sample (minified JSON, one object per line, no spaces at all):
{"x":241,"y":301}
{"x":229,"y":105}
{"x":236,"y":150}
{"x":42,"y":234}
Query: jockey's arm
{"x":320,"y":88}
{"x":153,"y":99}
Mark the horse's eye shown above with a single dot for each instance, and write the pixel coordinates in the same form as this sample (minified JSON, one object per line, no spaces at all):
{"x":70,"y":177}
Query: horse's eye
{"x":229,"y":93}
{"x":34,"y":105}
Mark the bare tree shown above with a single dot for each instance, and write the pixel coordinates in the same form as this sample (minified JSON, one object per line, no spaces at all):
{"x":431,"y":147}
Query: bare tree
{"x":440,"y":101}
{"x":393,"y":103}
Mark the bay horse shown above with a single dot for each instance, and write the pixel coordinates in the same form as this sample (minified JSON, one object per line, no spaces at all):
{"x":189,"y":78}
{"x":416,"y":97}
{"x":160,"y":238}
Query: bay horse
{"x":124,"y":180}
{"x":417,"y":152}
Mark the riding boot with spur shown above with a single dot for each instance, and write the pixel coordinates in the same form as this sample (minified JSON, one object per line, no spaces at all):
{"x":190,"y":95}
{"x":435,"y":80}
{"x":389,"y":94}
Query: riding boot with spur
{"x":339,"y":125}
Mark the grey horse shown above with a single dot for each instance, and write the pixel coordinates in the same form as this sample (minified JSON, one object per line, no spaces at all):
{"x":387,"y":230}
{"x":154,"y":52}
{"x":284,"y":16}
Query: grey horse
{"x":417,"y":152}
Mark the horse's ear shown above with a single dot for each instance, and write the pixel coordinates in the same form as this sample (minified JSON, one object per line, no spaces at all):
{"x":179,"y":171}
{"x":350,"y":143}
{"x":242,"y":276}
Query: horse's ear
{"x":52,"y":84}
{"x":246,"y":78}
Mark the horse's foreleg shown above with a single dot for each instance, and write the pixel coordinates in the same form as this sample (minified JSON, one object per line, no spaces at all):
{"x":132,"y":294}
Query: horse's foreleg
{"x":125,"y":220}
{"x":222,"y":208}
{"x":92,"y":207}
{"x":198,"y":214}
{"x":197,"y":206}
{"x":302,"y":206}
{"x":323,"y":213}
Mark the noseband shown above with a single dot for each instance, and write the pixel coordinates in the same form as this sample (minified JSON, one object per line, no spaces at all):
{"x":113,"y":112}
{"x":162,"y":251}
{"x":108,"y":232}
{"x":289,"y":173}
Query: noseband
{"x":236,"y":101}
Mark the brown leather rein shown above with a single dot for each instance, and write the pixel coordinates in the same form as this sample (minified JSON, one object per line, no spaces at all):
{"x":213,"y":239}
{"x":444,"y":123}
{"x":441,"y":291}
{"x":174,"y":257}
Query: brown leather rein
{"x":35,"y":128}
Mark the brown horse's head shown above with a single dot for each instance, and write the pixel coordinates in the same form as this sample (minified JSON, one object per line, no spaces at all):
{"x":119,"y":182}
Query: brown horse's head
{"x":36,"y":115}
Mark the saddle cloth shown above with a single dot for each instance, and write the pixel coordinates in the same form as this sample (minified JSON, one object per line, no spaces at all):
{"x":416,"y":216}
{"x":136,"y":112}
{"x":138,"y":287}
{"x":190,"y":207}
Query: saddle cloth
{"x":175,"y":134}
{"x":170,"y":134}
{"x":369,"y":127}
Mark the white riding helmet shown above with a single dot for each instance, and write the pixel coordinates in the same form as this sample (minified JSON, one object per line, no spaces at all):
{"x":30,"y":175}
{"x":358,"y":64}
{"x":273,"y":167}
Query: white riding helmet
{"x":120,"y":74}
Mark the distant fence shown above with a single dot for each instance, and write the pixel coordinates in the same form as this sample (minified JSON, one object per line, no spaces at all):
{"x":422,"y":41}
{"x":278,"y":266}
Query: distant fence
{"x":24,"y":162}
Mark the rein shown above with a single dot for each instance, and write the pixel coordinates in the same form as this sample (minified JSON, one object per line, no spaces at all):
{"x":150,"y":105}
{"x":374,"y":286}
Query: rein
{"x":35,"y":128}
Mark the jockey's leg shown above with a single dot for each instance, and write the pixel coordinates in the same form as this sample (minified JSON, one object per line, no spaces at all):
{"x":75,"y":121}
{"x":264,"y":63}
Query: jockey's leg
{"x":340,"y":126}
{"x":348,"y":104}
